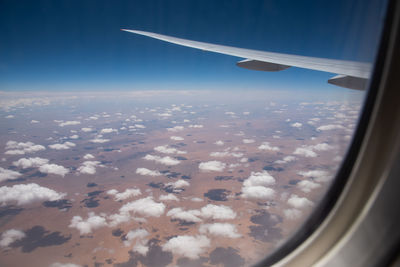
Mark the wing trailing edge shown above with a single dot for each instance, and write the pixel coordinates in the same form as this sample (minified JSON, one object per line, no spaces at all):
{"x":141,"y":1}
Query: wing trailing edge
{"x":353,"y":75}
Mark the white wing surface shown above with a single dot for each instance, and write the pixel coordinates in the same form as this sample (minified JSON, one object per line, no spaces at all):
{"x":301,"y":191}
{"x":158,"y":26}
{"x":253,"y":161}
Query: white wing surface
{"x":352,"y":74}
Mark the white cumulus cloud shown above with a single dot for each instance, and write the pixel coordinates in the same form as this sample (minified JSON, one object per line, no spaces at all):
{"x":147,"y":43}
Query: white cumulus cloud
{"x":22,"y":194}
{"x":92,"y":223}
{"x":10,"y":236}
{"x":168,"y":150}
{"x":187,"y":246}
{"x":21,"y":148}
{"x":88,"y":167}
{"x":267,"y":146}
{"x":128,"y":193}
{"x":168,"y":197}
{"x":220,"y":229}
{"x":144,"y":206}
{"x":54,"y":169}
{"x":66,"y":145}
{"x":68,"y":123}
{"x":163,"y":160}
{"x":177,"y":138}
{"x":144,"y":171}
{"x":213,"y":165}
{"x":299,"y":202}
{"x":8,"y":174}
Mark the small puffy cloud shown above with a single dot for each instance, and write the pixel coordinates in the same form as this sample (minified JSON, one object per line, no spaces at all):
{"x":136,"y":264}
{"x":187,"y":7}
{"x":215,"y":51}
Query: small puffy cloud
{"x":286,"y":160}
{"x":21,"y":148}
{"x":259,"y":178}
{"x":220,"y":229}
{"x":34,"y":121}
{"x":86,"y":129}
{"x":187,"y":216}
{"x":93,"y":222}
{"x":305,"y":151}
{"x":22,"y":194}
{"x":179,"y":184}
{"x":322,"y":147}
{"x":177,"y":138}
{"x":219,"y":143}
{"x":306,"y":186}
{"x":196,"y":199}
{"x":30,"y":162}
{"x":296,"y":125}
{"x":108,"y":130}
{"x":144,"y":206}
{"x":8,"y":174}
{"x":88,"y":156}
{"x":176,"y":129}
{"x":54,"y":169}
{"x":88,"y":167}
{"x":187,"y":246}
{"x":10,"y":236}
{"x":128,"y":193}
{"x":168,"y":197}
{"x":9,"y":116}
{"x":163,"y":160}
{"x":138,"y":235}
{"x":66,"y":145}
{"x":330,"y":127}
{"x":119,"y":218}
{"x":74,"y":136}
{"x":99,"y":140}
{"x":299,"y":202}
{"x":144,"y":171}
{"x":267,"y":146}
{"x":213,"y":165}
{"x":196,"y":126}
{"x":292,"y":214}
{"x":168,"y":150}
{"x":220,"y":212}
{"x":257,"y":192}
{"x":317,"y":175}
{"x":68,"y":123}
{"x":248,"y":141}
{"x":226,"y":154}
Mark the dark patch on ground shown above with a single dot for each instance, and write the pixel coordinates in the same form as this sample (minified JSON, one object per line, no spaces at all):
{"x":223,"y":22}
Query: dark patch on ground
{"x":37,"y":237}
{"x":180,"y":158}
{"x":91,"y":185}
{"x":105,"y":162}
{"x":186,"y":177}
{"x":109,"y":261}
{"x":9,"y":211}
{"x":94,"y":193}
{"x":109,"y":149}
{"x":38,"y":174}
{"x":173,"y":174}
{"x":265,"y":229}
{"x":241,"y":171}
{"x":155,"y":257}
{"x":60,"y":204}
{"x":156,"y":185}
{"x":89,"y":148}
{"x":253,"y":159}
{"x":223,"y":178}
{"x":182,"y":144}
{"x":227,"y":257}
{"x":294,"y":182}
{"x":270,"y":168}
{"x":98,"y":264}
{"x":182,"y":222}
{"x":200,"y":142}
{"x":186,"y":262}
{"x":117,"y":232}
{"x":183,"y":228}
{"x":91,"y":202}
{"x":68,"y":255}
{"x":217,"y":194}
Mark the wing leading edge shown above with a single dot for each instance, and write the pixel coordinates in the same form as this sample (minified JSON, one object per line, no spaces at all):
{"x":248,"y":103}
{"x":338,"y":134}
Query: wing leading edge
{"x":351,"y":74}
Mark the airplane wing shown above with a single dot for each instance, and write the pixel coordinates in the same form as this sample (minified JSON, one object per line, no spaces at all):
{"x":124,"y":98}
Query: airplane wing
{"x":351,"y":74}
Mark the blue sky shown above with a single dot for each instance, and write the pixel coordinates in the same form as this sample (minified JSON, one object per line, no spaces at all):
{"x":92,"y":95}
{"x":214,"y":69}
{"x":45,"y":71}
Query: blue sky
{"x":77,"y":45}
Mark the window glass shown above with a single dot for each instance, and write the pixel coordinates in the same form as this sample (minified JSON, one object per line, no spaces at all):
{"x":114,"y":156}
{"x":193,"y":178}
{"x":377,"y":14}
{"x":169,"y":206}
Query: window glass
{"x":121,"y":150}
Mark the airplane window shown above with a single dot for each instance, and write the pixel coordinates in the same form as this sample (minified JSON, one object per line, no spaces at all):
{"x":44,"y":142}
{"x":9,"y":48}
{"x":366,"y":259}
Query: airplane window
{"x":204,"y":133}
